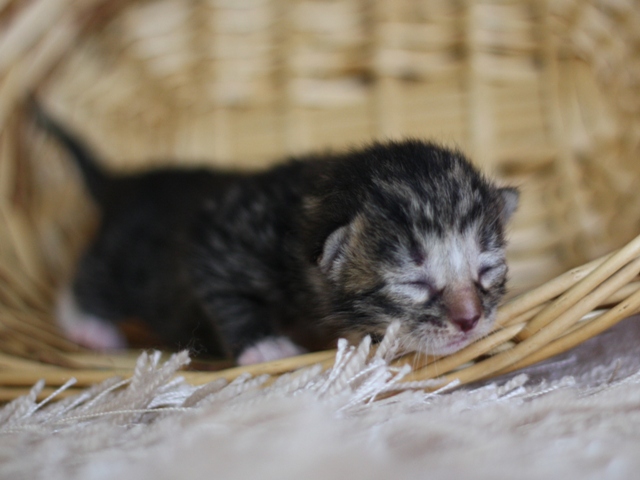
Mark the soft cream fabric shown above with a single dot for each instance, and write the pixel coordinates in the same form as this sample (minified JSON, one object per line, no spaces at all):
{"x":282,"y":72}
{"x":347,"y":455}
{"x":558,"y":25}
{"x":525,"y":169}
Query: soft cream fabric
{"x":575,"y":417}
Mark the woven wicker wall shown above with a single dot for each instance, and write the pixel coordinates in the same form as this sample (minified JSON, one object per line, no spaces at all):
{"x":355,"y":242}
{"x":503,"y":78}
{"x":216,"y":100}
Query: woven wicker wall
{"x":541,"y":94}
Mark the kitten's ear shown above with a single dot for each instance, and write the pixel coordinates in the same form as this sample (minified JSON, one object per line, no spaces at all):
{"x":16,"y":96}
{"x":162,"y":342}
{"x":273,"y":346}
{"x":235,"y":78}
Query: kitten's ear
{"x":333,"y":250}
{"x":510,"y":199}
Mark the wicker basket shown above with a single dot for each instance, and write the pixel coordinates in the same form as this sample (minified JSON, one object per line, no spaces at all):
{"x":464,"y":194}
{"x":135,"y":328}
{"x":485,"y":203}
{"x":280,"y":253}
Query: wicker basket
{"x":540,"y":94}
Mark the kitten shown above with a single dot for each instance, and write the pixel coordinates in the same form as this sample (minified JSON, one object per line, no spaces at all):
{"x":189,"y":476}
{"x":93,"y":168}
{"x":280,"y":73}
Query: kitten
{"x":262,"y":265}
{"x":342,"y":245}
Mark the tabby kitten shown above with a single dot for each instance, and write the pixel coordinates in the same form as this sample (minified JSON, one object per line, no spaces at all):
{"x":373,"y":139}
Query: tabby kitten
{"x":257,"y":266}
{"x":342,"y":245}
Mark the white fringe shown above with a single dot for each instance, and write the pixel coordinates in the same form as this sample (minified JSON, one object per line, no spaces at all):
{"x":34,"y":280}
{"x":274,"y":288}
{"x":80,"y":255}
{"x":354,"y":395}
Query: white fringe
{"x":151,"y":425}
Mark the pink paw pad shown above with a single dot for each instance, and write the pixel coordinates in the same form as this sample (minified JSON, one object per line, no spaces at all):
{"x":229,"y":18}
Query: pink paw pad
{"x":86,"y":329}
{"x":96,"y":335}
{"x":272,"y":348}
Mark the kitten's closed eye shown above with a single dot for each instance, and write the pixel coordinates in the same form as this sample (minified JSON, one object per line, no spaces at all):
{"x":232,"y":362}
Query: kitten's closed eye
{"x":419,"y":290}
{"x":490,"y":274}
{"x":420,"y":283}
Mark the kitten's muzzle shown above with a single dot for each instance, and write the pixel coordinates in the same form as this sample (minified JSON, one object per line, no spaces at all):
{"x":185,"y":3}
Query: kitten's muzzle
{"x":464,"y":308}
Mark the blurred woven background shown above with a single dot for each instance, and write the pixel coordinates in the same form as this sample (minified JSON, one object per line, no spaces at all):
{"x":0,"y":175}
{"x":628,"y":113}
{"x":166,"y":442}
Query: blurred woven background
{"x":542,"y":94}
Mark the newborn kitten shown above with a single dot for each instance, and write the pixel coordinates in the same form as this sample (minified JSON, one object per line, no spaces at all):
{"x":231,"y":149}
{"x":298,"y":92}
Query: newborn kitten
{"x":342,"y":245}
{"x":264,"y":265}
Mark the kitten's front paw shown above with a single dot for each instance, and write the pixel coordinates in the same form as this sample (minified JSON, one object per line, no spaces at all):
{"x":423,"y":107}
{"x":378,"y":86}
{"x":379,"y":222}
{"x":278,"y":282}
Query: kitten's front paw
{"x":271,"y":348}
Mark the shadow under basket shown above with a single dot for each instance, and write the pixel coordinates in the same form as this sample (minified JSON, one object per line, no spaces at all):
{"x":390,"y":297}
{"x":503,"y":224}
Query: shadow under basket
{"x":542,"y":95}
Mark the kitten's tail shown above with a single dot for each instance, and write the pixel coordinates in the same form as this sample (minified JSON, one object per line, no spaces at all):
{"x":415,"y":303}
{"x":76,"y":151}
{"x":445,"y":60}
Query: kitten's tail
{"x":95,"y":177}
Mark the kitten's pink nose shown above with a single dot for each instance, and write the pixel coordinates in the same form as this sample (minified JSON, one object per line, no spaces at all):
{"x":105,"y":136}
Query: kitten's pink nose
{"x":464,"y":308}
{"x":466,"y":323}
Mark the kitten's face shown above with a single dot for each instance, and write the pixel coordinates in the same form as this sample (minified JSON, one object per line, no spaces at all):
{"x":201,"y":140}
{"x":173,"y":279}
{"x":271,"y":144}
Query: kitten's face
{"x":444,"y":287}
{"x":444,"y":290}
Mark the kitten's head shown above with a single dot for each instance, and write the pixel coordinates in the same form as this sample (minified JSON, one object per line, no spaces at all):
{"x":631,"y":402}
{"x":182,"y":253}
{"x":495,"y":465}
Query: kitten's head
{"x":421,"y":241}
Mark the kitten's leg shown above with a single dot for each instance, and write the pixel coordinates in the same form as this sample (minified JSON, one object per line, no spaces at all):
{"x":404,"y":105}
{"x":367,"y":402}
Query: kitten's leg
{"x":245,"y":325}
{"x":84,"y":328}
{"x":270,"y":348}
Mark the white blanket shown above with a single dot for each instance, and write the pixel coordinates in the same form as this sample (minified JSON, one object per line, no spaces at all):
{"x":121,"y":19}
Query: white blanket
{"x":577,"y":416}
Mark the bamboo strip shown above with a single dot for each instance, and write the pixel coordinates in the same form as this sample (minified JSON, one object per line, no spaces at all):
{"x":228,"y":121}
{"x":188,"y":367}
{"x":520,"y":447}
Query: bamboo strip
{"x":8,"y":169}
{"x":8,"y":297}
{"x":621,"y":294}
{"x":22,"y":290}
{"x":22,"y":243}
{"x":569,"y":189}
{"x":275,"y":367}
{"x":524,"y":317}
{"x":387,"y":105}
{"x":25,"y":31}
{"x":58,"y":376}
{"x":22,"y":77}
{"x":105,"y":361}
{"x":56,"y":341}
{"x":582,"y":288}
{"x":42,"y":321}
{"x":605,"y":321}
{"x":3,"y":5}
{"x":17,"y":363}
{"x":27,"y":345}
{"x":547,"y":291}
{"x":480,"y":115}
{"x":589,"y":317}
